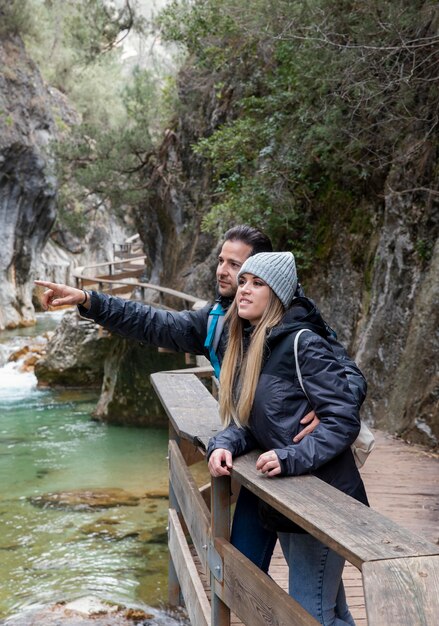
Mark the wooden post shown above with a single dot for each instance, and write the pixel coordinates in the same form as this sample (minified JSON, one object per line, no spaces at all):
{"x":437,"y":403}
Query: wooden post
{"x":174,"y":590}
{"x":220,"y":526}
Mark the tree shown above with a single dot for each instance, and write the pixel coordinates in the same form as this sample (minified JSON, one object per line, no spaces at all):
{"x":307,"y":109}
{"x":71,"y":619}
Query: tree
{"x":323,"y":94}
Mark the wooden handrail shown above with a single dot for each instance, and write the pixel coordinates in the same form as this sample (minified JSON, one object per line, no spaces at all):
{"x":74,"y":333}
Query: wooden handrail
{"x":400,"y":570}
{"x":77,"y":271}
{"x":79,"y":275}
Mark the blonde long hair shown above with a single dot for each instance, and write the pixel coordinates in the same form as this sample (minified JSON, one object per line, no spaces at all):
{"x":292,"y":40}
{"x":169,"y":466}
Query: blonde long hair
{"x":240,"y":372}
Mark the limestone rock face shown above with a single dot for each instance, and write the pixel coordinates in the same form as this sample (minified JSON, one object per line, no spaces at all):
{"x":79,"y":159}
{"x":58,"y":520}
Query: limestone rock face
{"x":27,"y":181}
{"x":398,"y":342}
{"x":32,"y":116}
{"x":127,"y":396}
{"x":387,"y":312}
{"x":75,"y":355}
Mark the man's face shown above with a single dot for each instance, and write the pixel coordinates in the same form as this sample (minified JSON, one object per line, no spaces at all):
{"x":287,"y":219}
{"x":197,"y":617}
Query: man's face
{"x":232,"y":256}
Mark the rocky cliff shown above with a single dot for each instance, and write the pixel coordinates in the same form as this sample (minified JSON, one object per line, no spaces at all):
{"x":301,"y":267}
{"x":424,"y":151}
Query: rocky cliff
{"x":33,"y":116}
{"x":379,"y":289}
{"x":27,"y":181}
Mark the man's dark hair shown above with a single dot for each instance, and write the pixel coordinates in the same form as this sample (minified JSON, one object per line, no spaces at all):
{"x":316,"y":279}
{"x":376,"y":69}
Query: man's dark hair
{"x":253,"y":237}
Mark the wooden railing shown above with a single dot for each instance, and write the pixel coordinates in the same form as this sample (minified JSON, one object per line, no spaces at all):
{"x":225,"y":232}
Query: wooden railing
{"x":121,"y":278}
{"x":400,"y":570}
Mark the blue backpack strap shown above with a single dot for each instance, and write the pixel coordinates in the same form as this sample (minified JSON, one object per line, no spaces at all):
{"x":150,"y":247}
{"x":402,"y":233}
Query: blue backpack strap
{"x":215,"y":326}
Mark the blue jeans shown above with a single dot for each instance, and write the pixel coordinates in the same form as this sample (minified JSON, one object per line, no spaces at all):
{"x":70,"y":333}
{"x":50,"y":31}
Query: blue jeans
{"x":248,"y":535}
{"x":315,"y":578}
{"x":257,"y":544}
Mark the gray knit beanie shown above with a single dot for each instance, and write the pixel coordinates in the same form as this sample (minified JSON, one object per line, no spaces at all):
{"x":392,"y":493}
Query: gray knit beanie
{"x":277,"y":269}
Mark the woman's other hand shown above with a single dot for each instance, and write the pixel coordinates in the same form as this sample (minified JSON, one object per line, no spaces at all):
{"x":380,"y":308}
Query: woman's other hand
{"x":268,"y":463}
{"x":312,"y":421}
{"x":62,"y":295}
{"x":220,"y":462}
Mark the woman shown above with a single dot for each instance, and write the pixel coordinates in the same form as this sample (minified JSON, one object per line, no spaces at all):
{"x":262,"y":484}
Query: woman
{"x":262,"y":402}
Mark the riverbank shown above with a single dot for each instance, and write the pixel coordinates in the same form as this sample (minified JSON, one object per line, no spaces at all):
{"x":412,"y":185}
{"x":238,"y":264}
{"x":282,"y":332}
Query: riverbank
{"x":115,"y":551}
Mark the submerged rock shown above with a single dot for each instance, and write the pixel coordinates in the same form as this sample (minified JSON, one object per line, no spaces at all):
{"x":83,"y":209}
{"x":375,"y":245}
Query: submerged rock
{"x":108,"y":529}
{"x":86,"y":499}
{"x":157,"y":494}
{"x":92,"y":610}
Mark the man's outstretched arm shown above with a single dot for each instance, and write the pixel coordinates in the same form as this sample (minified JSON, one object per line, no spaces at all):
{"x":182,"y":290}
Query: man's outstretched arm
{"x":183,"y":331}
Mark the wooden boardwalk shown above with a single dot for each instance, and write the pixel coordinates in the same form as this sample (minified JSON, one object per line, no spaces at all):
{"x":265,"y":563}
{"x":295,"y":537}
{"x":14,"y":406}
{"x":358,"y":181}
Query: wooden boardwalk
{"x":402,"y":482}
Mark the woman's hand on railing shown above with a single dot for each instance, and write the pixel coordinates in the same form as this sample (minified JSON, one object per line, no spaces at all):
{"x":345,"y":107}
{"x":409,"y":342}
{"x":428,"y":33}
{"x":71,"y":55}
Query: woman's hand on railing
{"x":268,"y":463}
{"x":220,"y":462}
{"x":57,"y":295}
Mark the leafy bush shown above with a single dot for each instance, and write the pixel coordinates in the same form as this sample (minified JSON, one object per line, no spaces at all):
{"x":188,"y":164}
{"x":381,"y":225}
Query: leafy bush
{"x":16,"y":18}
{"x":324,"y":93}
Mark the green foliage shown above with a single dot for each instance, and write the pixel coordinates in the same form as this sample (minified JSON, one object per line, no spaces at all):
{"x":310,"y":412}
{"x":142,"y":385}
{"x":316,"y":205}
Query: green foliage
{"x":70,"y":215}
{"x":16,"y":18}
{"x":107,"y":163}
{"x":78,"y":51}
{"x":324,"y":93}
{"x":424,"y":249}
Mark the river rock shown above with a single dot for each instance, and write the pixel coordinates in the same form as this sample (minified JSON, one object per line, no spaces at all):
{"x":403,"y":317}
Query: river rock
{"x":157,"y":494}
{"x":29,"y":355}
{"x":75,"y":355}
{"x":109,"y":530}
{"x":86,"y":499}
{"x":93,"y":611}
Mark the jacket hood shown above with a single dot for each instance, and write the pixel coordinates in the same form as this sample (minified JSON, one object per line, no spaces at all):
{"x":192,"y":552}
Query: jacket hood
{"x":303,"y":313}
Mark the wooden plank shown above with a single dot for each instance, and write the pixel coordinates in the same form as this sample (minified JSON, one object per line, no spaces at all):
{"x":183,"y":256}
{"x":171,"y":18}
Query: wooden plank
{"x":190,"y":453}
{"x":253,"y":596}
{"x":192,"y":506}
{"x":195,"y":599}
{"x":118,"y":291}
{"x":189,"y":405}
{"x":171,"y":292}
{"x":205,"y":492}
{"x":133,"y":273}
{"x":402,"y":591}
{"x":402,"y":483}
{"x":357,"y":532}
{"x":78,"y":272}
{"x":220,"y":527}
{"x":201,"y":372}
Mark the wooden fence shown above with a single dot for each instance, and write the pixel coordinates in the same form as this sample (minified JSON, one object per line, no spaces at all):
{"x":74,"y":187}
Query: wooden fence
{"x":121,"y":278}
{"x":400,"y":570}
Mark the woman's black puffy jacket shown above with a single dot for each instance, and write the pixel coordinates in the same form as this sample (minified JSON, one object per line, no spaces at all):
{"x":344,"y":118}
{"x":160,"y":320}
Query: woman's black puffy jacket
{"x":280,"y":404}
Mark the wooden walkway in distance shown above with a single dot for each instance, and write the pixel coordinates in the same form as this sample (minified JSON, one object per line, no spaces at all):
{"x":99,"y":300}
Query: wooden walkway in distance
{"x":402,"y":482}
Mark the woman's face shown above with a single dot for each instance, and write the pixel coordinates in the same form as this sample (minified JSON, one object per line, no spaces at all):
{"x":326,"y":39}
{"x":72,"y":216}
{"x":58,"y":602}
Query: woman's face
{"x":252,"y":297}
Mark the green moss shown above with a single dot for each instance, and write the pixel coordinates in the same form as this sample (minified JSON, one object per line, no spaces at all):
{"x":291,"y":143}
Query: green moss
{"x":424,"y":249}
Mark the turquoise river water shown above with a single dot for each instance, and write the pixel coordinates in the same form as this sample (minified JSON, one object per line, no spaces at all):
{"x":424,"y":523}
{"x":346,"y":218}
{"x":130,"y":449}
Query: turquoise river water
{"x":48,"y":443}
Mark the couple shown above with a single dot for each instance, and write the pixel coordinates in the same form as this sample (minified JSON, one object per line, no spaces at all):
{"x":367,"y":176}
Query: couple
{"x":261,"y":401}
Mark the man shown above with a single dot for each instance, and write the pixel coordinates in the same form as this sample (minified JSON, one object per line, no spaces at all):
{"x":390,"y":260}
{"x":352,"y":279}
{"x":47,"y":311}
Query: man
{"x":183,"y":331}
{"x":187,"y":331}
